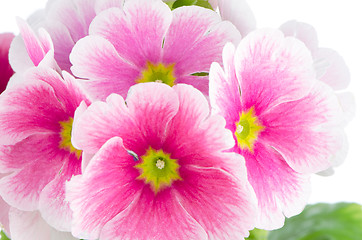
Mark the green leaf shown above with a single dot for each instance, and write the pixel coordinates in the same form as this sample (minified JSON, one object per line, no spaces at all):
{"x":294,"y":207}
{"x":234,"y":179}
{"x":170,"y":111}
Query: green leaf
{"x":258,"y":234}
{"x":3,"y":236}
{"x":201,"y":3}
{"x":341,"y":221}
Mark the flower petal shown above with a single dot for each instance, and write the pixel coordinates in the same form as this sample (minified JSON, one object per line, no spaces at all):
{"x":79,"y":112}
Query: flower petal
{"x":52,"y":204}
{"x":306,"y":132}
{"x":136,"y":32}
{"x":159,"y":216}
{"x":272,"y":69}
{"x":224,"y":94}
{"x":195,"y":39}
{"x":279,"y":189}
{"x":217,"y":192}
{"x":31,"y":226}
{"x":105,"y":72}
{"x":107,"y":186}
{"x":35,"y":170}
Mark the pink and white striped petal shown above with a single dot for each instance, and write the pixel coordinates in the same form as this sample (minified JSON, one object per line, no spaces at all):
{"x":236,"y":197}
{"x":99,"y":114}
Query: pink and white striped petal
{"x":23,"y":187}
{"x":110,"y":184}
{"x":95,"y":59}
{"x":173,"y":222}
{"x":196,"y":32}
{"x":279,"y":189}
{"x":233,"y":197}
{"x":137,"y":32}
{"x":309,"y":142}
{"x":277,"y":68}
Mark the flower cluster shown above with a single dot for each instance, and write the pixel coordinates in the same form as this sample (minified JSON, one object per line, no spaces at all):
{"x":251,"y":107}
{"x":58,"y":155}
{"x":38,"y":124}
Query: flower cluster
{"x":147,"y":119}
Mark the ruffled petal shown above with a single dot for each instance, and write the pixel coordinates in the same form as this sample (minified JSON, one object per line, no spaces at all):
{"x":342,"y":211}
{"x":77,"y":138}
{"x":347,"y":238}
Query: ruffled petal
{"x":161,"y":217}
{"x":239,"y":13}
{"x":31,"y":226}
{"x":279,"y":189}
{"x":52,"y":204}
{"x":224,"y":94}
{"x":105,"y":72}
{"x":195,"y":39}
{"x":217,"y":192}
{"x":38,"y":161}
{"x":137,"y":32}
{"x":306,"y":132}
{"x":272,"y":69}
{"x":107,"y":186}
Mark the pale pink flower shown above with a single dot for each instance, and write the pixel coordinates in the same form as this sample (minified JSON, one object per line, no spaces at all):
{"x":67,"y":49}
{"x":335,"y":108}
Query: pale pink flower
{"x":145,"y":41}
{"x":286,"y":123}
{"x":159,"y":170}
{"x":36,"y":153}
{"x":5,"y":69}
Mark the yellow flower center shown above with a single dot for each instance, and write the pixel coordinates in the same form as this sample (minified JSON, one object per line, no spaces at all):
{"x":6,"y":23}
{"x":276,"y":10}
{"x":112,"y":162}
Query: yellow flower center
{"x":158,"y":73}
{"x":158,"y":169}
{"x":247,"y":130}
{"x":65,"y":136}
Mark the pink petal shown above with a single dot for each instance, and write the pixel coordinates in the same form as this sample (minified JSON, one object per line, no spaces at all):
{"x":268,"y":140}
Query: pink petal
{"x":195,"y":39}
{"x":152,"y":106}
{"x":96,"y":59}
{"x":239,"y":13}
{"x":107,"y":187}
{"x":306,"y":132}
{"x":217,"y":192}
{"x":272,"y":69}
{"x":102,"y":5}
{"x":32,"y":43}
{"x":192,"y":123}
{"x":302,"y":31}
{"x":94,"y":126}
{"x":278,"y":187}
{"x":52,"y":204}
{"x":336,"y":73}
{"x":4,"y":216}
{"x":224,"y":94}
{"x":36,"y":168}
{"x":18,"y":56}
{"x":29,"y":109}
{"x":199,"y":82}
{"x":5,"y":68}
{"x":137,"y":32}
{"x":31,"y":226}
{"x":160,"y":216}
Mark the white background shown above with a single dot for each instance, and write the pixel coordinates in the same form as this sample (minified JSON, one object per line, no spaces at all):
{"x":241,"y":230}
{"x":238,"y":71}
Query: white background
{"x":339,"y":26}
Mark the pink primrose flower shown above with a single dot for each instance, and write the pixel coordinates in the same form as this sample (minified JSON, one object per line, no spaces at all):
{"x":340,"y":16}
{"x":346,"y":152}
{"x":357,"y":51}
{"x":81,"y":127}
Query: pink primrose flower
{"x":159,"y":169}
{"x":285,"y":123}
{"x":144,"y":41}
{"x":36,"y":152}
{"x":5,"y":69}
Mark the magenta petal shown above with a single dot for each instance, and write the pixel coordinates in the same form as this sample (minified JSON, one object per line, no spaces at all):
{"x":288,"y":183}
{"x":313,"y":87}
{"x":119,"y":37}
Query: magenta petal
{"x":161,"y":217}
{"x":5,"y":68}
{"x":306,"y":132}
{"x":30,"y":109}
{"x":52,"y":204}
{"x":224,"y":95}
{"x":195,"y":39}
{"x":278,"y":187}
{"x":217,"y":192}
{"x":22,"y":188}
{"x":272,"y":69}
{"x":94,"y":126}
{"x":96,"y":60}
{"x":152,"y":106}
{"x":137,"y":32}
{"x":107,"y":187}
